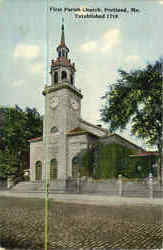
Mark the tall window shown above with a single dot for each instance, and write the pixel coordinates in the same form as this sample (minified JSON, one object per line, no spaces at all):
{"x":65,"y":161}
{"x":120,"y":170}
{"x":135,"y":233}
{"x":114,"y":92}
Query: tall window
{"x":64,"y":75}
{"x":55,"y":77}
{"x":75,"y":167}
{"x":53,"y":169}
{"x":38,"y":170}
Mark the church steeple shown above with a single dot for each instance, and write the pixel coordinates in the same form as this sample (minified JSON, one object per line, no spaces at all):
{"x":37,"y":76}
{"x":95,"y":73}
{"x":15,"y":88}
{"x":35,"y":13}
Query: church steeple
{"x":63,"y":36}
{"x":62,"y":70}
{"x":62,"y":49}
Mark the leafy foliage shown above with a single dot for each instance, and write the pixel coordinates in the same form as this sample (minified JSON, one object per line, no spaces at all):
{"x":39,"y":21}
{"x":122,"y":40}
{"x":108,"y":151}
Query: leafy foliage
{"x":16,"y":127}
{"x":136,"y":97}
{"x":86,"y":162}
{"x":112,"y":160}
{"x":103,"y":161}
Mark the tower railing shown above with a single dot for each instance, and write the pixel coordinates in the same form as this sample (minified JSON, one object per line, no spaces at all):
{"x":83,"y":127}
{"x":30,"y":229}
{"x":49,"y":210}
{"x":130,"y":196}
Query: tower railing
{"x":48,"y":86}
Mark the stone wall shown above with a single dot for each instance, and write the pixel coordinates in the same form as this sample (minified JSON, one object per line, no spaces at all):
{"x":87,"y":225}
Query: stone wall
{"x":120,"y":187}
{"x":75,"y":145}
{"x":37,"y":152}
{"x":109,"y":187}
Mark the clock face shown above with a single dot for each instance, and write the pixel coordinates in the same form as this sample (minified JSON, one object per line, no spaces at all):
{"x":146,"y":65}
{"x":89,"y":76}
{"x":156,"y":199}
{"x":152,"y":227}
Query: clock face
{"x":54,"y":102}
{"x":74,"y":104}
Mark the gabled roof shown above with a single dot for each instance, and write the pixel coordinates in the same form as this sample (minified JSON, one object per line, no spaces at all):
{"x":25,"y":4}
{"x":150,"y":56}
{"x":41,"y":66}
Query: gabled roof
{"x":78,"y":131}
{"x":93,"y":126}
{"x":123,"y":139}
{"x":35,"y":139}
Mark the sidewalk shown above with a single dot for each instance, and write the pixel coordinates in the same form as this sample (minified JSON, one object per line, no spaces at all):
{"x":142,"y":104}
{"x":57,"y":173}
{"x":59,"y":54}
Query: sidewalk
{"x":95,"y":199}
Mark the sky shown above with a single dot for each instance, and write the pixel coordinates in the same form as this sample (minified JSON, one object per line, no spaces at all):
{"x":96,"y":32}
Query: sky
{"x":98,"y":46}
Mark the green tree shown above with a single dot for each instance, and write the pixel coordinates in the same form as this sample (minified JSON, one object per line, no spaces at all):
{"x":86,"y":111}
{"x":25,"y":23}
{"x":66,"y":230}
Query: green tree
{"x":136,"y":98}
{"x":16,"y":128}
{"x":7,"y":163}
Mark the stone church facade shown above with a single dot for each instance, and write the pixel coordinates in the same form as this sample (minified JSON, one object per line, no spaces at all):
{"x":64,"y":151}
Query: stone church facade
{"x":65,"y":133}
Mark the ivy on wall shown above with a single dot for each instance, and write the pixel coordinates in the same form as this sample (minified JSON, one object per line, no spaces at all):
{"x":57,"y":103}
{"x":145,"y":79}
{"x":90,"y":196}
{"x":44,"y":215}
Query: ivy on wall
{"x":112,"y":160}
{"x":105,"y":161}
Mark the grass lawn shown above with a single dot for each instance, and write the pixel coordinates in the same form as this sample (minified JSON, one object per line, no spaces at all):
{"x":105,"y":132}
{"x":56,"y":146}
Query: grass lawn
{"x":75,"y":226}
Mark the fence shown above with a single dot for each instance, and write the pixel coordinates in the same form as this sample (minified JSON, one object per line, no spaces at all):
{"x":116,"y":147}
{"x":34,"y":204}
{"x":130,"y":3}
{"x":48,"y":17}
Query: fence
{"x":141,"y":188}
{"x":148,"y":188}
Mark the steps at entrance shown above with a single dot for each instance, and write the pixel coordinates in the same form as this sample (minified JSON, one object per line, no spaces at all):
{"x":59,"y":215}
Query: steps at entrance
{"x":73,"y":186}
{"x":57,"y":186}
{"x":26,"y":186}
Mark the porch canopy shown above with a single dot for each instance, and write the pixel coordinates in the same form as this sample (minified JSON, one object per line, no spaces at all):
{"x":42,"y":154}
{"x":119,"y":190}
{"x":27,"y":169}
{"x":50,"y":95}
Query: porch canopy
{"x":148,"y":155}
{"x":145,"y":154}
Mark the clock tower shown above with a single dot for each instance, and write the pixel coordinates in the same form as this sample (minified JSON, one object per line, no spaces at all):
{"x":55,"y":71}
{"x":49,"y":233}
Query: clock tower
{"x":63,"y":107}
{"x":65,"y":133}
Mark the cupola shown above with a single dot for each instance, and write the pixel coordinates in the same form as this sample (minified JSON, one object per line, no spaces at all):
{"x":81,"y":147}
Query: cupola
{"x":62,"y":70}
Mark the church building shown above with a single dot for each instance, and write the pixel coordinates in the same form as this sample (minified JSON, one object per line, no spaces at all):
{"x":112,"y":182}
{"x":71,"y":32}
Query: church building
{"x":65,"y":133}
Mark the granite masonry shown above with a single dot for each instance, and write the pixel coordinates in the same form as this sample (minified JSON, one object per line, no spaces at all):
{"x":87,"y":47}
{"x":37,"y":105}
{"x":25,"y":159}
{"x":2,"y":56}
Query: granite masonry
{"x":65,"y":133}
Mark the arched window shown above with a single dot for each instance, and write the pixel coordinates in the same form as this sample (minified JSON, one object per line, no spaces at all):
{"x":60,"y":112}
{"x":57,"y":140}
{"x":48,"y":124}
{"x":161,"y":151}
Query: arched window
{"x":53,"y":169}
{"x":55,"y":77}
{"x":75,"y":167}
{"x":64,"y":75}
{"x":38,"y":170}
{"x":54,"y":130}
